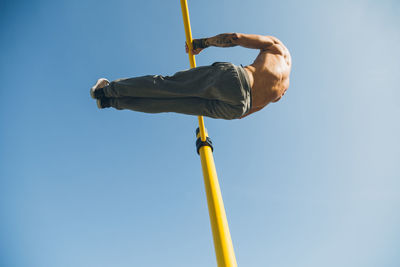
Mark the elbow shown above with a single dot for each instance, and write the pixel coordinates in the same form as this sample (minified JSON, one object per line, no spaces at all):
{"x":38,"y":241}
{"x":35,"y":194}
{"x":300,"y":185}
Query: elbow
{"x":268,"y":42}
{"x":236,"y":37}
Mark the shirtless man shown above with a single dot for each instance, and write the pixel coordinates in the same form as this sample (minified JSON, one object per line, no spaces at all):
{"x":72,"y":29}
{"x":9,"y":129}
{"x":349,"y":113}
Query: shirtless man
{"x":221,"y":90}
{"x":269,"y":73}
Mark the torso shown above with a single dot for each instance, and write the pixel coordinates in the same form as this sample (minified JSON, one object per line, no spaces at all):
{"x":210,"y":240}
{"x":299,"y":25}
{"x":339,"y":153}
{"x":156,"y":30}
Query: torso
{"x":269,"y":75}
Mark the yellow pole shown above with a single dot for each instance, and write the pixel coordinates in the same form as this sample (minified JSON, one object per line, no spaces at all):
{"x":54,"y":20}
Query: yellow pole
{"x":219,"y":224}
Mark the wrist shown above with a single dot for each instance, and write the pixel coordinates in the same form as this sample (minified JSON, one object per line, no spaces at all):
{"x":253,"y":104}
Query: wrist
{"x":200,"y":43}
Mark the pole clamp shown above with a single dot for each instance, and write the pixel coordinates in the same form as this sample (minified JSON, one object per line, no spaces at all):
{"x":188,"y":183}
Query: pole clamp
{"x":200,"y":143}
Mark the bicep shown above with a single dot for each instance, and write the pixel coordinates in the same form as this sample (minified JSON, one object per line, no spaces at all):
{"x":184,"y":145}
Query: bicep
{"x":255,"y":41}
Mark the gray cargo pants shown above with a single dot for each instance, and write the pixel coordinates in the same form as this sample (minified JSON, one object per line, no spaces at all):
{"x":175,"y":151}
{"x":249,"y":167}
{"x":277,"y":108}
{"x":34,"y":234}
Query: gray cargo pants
{"x":221,"y":90}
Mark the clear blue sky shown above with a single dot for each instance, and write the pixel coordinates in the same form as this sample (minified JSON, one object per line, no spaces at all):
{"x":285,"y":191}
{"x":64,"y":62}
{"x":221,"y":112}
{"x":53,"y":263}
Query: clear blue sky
{"x":310,"y":181}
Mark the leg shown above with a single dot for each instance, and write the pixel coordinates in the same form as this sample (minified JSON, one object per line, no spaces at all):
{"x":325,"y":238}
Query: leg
{"x":190,"y":106}
{"x":182,"y":84}
{"x":217,"y":82}
{"x":215,"y":91}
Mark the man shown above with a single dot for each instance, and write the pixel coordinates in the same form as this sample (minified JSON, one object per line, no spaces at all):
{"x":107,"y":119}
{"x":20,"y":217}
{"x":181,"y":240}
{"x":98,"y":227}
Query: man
{"x":221,"y":90}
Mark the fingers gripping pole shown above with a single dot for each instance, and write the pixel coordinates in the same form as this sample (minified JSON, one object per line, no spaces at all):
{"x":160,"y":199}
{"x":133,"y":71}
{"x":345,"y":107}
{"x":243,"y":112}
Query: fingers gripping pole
{"x":219,"y":224}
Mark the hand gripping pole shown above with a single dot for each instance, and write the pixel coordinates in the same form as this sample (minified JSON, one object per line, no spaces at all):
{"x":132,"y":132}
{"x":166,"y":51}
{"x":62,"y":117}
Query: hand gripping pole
{"x":219,"y":224}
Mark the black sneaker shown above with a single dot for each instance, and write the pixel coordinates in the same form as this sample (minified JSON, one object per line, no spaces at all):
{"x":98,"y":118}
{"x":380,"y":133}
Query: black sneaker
{"x":103,"y":103}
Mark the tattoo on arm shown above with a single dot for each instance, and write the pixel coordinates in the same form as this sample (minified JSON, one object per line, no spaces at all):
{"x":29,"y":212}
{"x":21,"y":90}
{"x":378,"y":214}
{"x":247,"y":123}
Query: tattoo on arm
{"x":221,"y":40}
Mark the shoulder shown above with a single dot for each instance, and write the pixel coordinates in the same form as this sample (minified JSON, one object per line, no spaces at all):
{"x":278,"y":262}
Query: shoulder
{"x":277,"y":44}
{"x":280,"y":49}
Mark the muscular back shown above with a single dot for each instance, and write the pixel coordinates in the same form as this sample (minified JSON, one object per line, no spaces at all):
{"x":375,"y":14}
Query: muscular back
{"x":269,"y":74}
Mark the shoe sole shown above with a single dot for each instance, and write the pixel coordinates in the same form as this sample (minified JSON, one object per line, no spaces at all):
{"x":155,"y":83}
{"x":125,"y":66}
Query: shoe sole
{"x":98,"y":102}
{"x":92,"y":93}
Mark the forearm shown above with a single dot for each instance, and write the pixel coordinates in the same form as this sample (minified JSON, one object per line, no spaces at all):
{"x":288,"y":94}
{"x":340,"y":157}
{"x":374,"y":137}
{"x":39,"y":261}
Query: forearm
{"x":233,"y":39}
{"x":220,"y":40}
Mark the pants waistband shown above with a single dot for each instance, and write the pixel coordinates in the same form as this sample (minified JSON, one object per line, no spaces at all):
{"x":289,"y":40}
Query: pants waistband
{"x":245,"y":80}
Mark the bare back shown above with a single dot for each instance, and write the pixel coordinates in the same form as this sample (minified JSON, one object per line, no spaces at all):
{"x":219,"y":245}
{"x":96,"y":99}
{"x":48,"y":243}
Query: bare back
{"x":269,"y":75}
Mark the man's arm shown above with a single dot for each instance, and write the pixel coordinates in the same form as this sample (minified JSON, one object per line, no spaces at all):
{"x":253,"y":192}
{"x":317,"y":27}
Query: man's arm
{"x":233,"y":39}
